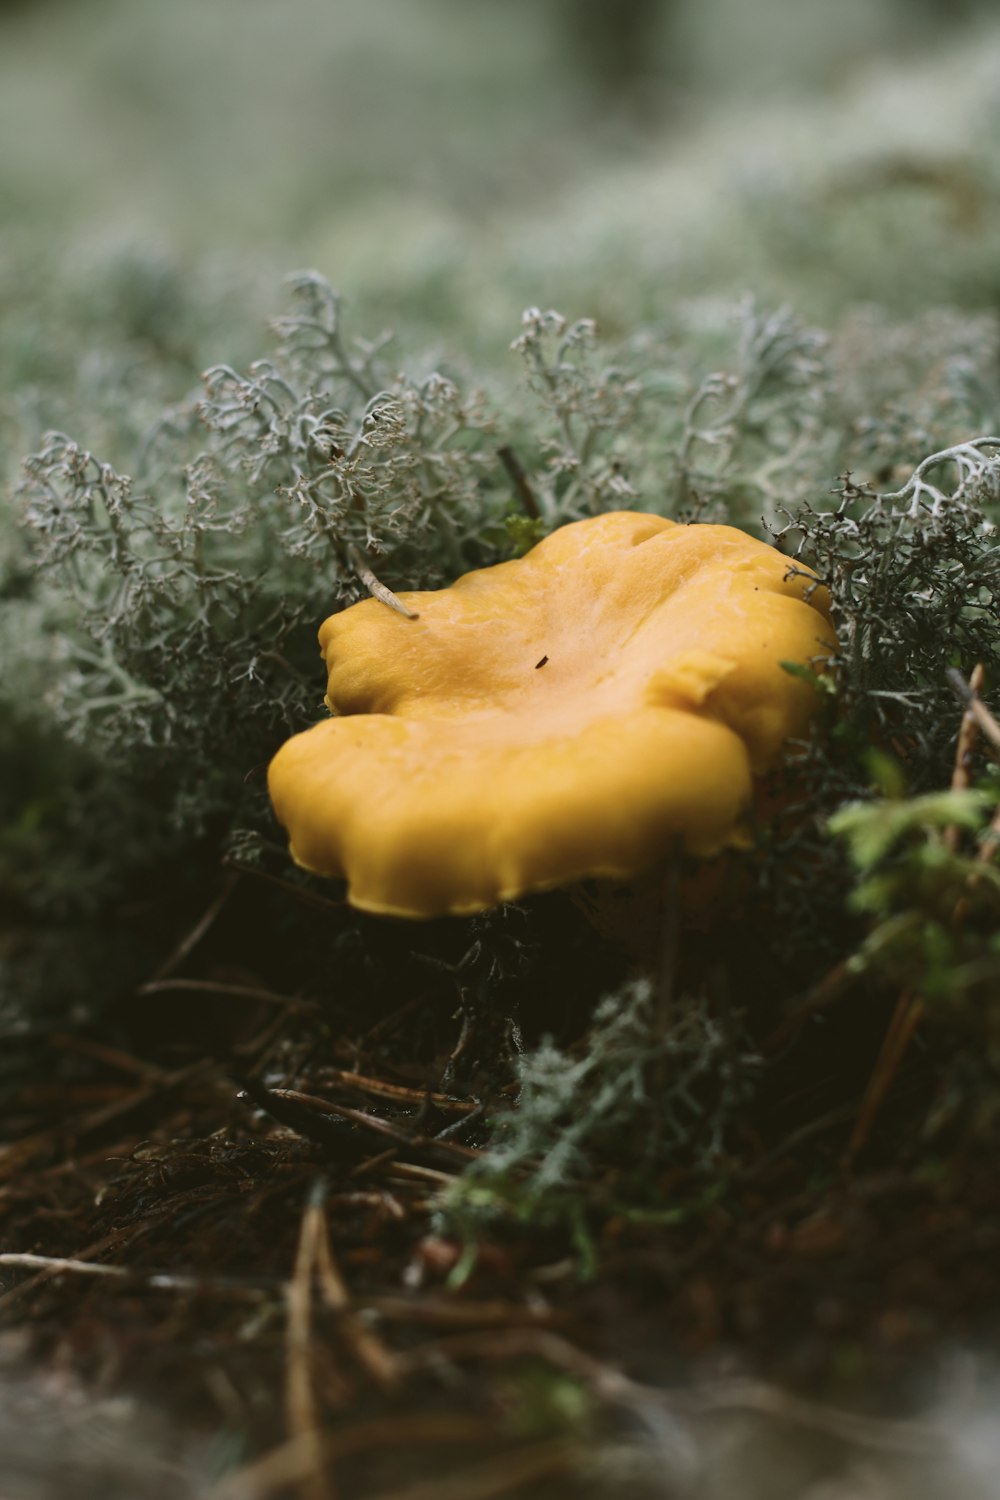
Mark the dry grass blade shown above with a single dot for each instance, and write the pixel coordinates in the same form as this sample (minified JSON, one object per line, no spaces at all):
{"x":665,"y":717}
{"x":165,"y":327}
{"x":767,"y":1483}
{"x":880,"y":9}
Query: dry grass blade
{"x":375,"y":588}
{"x":991,"y":842}
{"x":55,"y":1266}
{"x":905,"y":1020}
{"x":366,"y":1346}
{"x":376,"y":1125}
{"x":192,"y":938}
{"x":302,"y":1411}
{"x":170,"y":1281}
{"x":379,"y":1089}
{"x":460,"y":1312}
{"x":826,"y":992}
{"x":231,"y":991}
{"x":112,"y":1057}
{"x":411,"y":1171}
{"x":519,"y":480}
{"x":968,"y":733}
{"x":975,"y":706}
{"x":298,"y":893}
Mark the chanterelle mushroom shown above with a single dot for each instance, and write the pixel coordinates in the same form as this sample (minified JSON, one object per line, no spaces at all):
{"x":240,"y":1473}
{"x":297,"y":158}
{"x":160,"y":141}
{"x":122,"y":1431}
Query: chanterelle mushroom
{"x":575,"y":713}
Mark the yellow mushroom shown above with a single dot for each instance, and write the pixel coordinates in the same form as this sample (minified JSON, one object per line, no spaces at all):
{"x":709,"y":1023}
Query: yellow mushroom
{"x":576,"y":713}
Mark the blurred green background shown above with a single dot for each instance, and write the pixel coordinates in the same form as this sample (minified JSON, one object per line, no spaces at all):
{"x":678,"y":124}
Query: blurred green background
{"x":445,"y":161}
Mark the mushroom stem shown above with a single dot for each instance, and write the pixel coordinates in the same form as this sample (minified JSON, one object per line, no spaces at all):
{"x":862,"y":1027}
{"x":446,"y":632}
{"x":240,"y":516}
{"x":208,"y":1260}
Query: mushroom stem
{"x":376,"y":589}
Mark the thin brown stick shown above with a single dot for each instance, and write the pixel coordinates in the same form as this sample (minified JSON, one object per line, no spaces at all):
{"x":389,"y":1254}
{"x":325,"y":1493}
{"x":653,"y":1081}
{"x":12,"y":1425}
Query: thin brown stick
{"x":261,"y":1046}
{"x":58,"y":1264}
{"x":299,"y":892}
{"x":392,"y":1020}
{"x":231,"y":991}
{"x":991,"y":842}
{"x":163,"y":1083}
{"x":364,"y":1343}
{"x":905,"y":1020}
{"x":47,"y":1272}
{"x":519,"y":480}
{"x":826,"y":992}
{"x":466,"y":1032}
{"x":377,"y":1198}
{"x":113,"y":1057}
{"x":372,"y":1164}
{"x":791,"y":1143}
{"x":377,"y":1125}
{"x":987,"y":723}
{"x":191,"y":939}
{"x":968,"y":733}
{"x":446,"y":1103}
{"x":975,"y":706}
{"x":375,"y":588}
{"x":302,"y":1412}
{"x":456,"y":1312}
{"x":411,"y":1171}
{"x":169,"y":1281}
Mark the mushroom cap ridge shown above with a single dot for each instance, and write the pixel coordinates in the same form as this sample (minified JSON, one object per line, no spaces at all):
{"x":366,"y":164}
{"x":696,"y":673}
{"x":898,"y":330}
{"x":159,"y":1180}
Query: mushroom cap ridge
{"x":574,"y":713}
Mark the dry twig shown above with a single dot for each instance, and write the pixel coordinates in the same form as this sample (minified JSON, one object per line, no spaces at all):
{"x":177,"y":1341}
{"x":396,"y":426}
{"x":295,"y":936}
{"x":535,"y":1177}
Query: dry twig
{"x":302,"y":1412}
{"x":375,"y":588}
{"x":519,"y":480}
{"x":975,"y":706}
{"x":377,"y":1125}
{"x":827,"y":992}
{"x":905,"y":1019}
{"x":968,"y":733}
{"x":191,"y":939}
{"x":229,"y":991}
{"x":377,"y":1087}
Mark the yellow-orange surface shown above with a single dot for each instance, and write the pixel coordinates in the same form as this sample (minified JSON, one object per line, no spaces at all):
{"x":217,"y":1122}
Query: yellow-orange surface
{"x":577,"y":712}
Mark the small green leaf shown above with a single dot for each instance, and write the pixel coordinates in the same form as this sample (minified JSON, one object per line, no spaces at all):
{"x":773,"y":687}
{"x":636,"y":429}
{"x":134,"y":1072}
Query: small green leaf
{"x":888,"y":776}
{"x":822,"y":682}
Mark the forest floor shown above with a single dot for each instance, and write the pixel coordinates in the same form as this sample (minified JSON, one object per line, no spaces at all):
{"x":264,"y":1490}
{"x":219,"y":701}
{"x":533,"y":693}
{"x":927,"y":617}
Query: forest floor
{"x":263,"y":1266}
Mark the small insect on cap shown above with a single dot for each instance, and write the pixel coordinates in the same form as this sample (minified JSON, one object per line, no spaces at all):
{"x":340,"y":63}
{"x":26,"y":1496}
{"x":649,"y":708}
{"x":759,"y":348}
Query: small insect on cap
{"x":575,"y":713}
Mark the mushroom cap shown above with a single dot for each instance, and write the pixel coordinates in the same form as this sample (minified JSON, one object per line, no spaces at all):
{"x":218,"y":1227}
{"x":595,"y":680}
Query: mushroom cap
{"x":575,"y":713}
